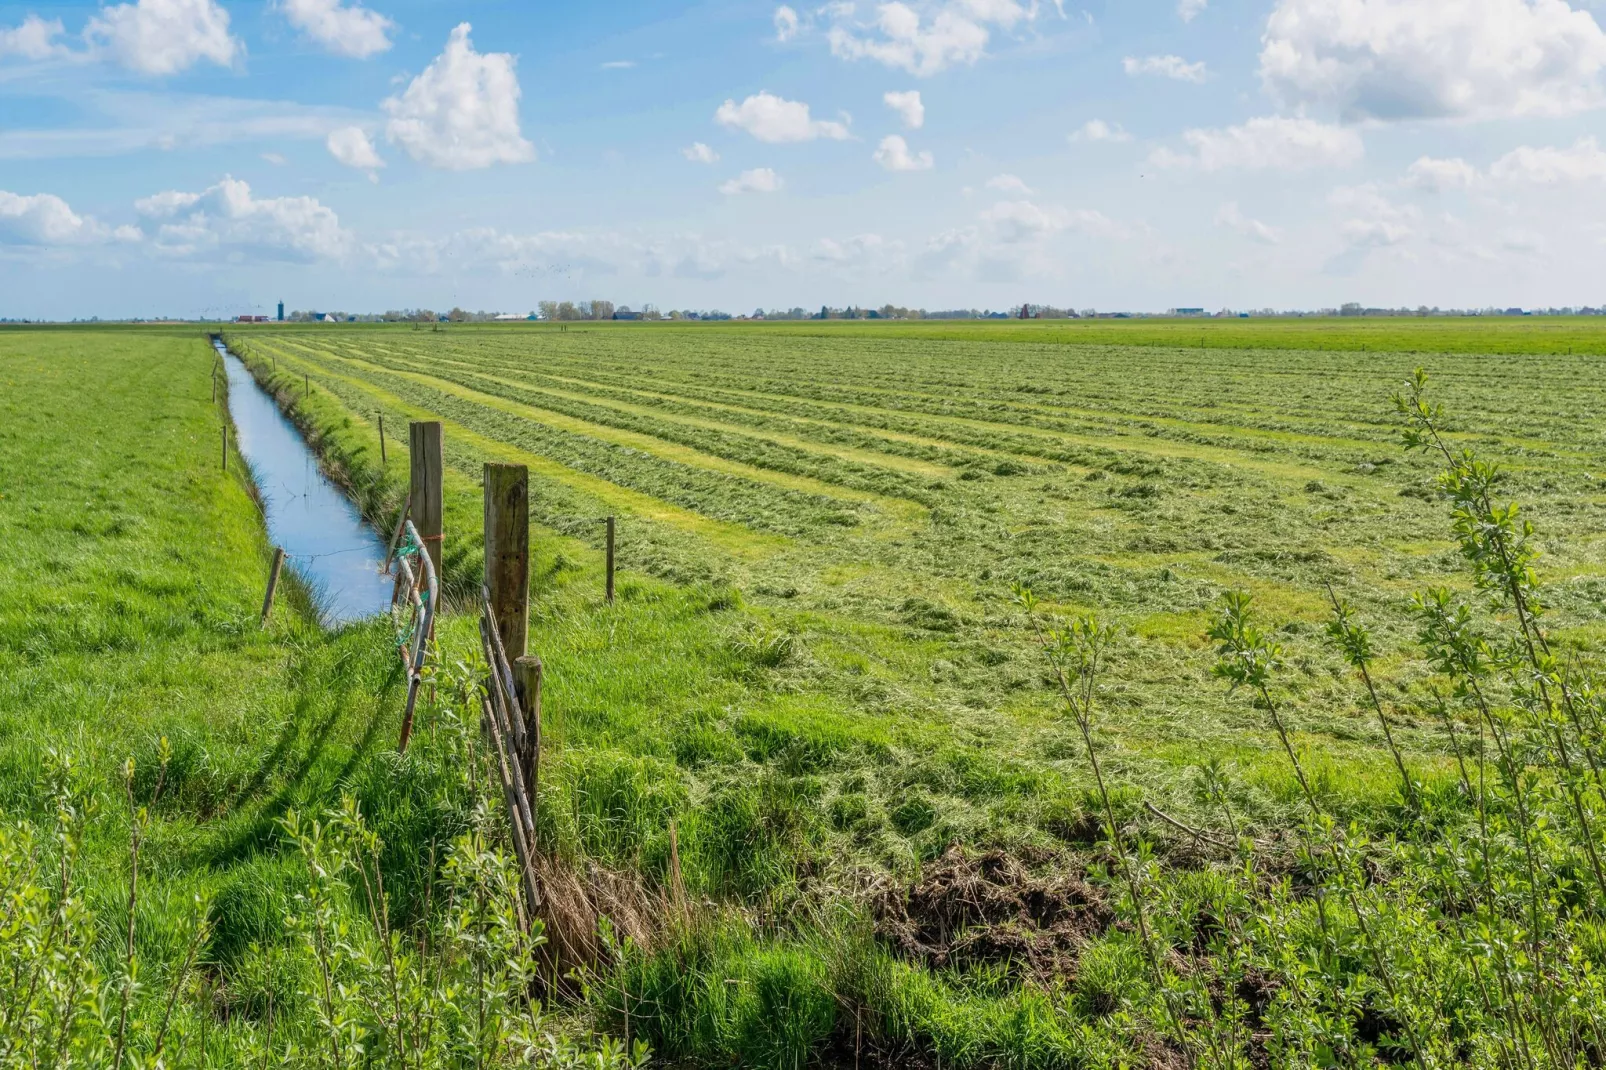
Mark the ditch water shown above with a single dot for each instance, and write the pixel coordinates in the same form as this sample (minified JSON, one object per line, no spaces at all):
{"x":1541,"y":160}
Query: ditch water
{"x":322,"y":533}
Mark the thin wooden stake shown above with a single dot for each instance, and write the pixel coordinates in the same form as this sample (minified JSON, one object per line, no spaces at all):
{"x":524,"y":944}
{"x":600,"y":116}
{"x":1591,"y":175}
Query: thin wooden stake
{"x":306,"y":383}
{"x":273,"y":583}
{"x":527,"y":672}
{"x":395,"y":540}
{"x":610,"y":559}
{"x":214,"y":387}
{"x":225,"y":447}
{"x":382,"y":459}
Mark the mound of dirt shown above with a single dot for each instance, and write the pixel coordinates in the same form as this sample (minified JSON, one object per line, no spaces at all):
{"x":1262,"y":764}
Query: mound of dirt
{"x":1032,"y":915}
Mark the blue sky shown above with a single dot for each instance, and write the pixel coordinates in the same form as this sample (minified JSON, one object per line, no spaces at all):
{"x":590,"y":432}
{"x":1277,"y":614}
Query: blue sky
{"x":210,"y":157}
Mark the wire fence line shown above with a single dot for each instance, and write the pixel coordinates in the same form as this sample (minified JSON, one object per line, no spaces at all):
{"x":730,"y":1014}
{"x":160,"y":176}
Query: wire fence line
{"x":417,"y":596}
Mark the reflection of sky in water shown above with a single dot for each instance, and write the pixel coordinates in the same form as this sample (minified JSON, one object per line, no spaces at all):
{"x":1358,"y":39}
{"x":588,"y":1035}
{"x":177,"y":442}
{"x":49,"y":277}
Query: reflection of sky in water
{"x":321,"y":531}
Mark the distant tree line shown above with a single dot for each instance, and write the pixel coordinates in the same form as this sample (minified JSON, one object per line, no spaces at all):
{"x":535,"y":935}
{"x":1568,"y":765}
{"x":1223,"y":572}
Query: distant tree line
{"x":598,"y":309}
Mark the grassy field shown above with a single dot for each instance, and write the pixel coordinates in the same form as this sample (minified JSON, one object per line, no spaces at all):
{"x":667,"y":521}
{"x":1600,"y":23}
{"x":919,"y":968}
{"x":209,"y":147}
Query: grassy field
{"x":150,"y":728}
{"x":819,"y":704}
{"x":874,"y":493}
{"x":1501,"y":335}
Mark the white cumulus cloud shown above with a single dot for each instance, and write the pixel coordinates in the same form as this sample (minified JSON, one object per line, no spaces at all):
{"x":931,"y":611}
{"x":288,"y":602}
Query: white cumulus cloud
{"x":786,"y":23}
{"x":45,"y":219}
{"x":1439,"y":176}
{"x":344,"y":29}
{"x":893,"y":155}
{"x":1232,"y":217}
{"x":1188,"y":10}
{"x":1008,"y":184}
{"x":462,"y":113}
{"x":860,"y":250}
{"x":34,"y":38}
{"x":908,"y":106}
{"x":351,"y":147}
{"x":777,"y":120}
{"x":1022,"y":221}
{"x":1548,"y":166}
{"x":228,"y":219}
{"x":1174,"y":67}
{"x":697,"y":152}
{"x":758,"y":180}
{"x":902,"y":37}
{"x":1375,"y":221}
{"x":1099,"y":130}
{"x":1412,"y":59}
{"x":158,"y":37}
{"x":1270,"y":143}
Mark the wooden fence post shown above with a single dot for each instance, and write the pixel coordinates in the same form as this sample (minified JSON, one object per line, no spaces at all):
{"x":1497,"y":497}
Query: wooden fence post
{"x":382,"y":459}
{"x":527,"y":672}
{"x":225,"y":447}
{"x":273,"y":583}
{"x":610,"y":559}
{"x":306,"y":383}
{"x":507,"y":552}
{"x":424,"y":440}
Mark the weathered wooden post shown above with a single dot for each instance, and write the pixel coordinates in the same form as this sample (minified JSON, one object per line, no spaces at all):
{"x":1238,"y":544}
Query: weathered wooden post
{"x":382,"y":459}
{"x":273,"y":583}
{"x":507,"y":582}
{"x":306,"y":383}
{"x":507,"y":552}
{"x":610,"y":560}
{"x":214,"y":386}
{"x":225,"y":447}
{"x":425,"y":505}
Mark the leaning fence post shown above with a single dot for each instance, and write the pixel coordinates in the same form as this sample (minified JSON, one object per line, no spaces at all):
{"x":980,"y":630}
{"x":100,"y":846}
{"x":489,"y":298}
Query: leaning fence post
{"x":273,"y":583}
{"x":225,"y":447}
{"x":425,"y":505}
{"x":610,"y":560}
{"x":382,"y":459}
{"x":507,"y":552}
{"x":527,"y":672}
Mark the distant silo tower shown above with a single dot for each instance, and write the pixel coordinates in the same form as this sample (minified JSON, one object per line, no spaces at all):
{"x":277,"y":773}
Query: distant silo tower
{"x":281,"y":311}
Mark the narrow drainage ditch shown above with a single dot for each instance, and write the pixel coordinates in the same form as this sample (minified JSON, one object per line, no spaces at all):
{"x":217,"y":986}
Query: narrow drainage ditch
{"x":322,"y":533}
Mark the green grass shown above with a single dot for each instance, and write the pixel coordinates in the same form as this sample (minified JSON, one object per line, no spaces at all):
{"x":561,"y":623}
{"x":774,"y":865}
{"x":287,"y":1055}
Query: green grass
{"x":815,"y":680}
{"x":1505,"y":335}
{"x":1140,"y":487}
{"x":134,"y":567}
